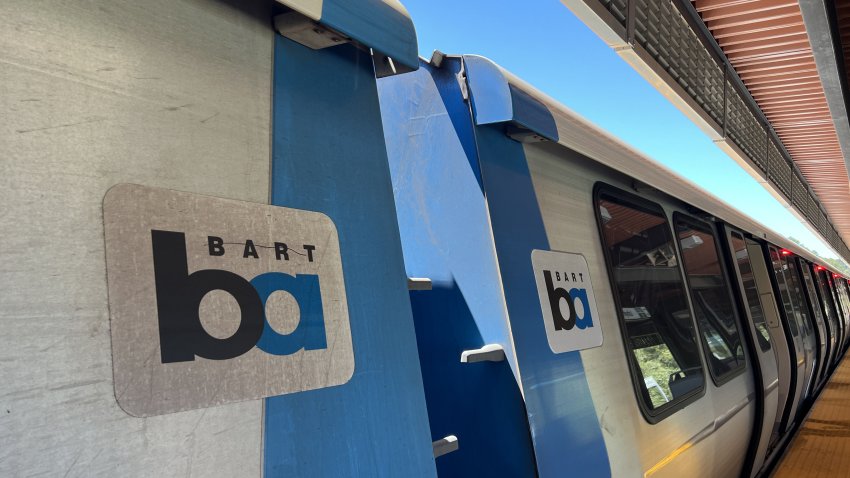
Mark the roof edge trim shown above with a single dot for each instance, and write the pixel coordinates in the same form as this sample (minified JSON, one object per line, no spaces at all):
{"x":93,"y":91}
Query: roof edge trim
{"x":383,"y":25}
{"x":495,"y":94}
{"x":498,"y":97}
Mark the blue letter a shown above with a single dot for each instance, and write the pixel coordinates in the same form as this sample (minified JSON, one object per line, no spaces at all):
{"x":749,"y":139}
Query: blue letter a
{"x":587,"y":319}
{"x":310,"y":332}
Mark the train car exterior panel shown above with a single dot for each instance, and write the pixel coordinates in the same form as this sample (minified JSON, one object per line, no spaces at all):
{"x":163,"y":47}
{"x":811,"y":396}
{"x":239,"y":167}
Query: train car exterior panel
{"x":678,"y":444}
{"x":447,"y":237}
{"x":179,"y":96}
{"x":589,"y":311}
{"x":97,"y":94}
{"x":551,"y":206}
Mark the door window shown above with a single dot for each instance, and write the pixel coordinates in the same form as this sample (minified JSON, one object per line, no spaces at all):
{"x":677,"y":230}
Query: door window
{"x":654,"y":314}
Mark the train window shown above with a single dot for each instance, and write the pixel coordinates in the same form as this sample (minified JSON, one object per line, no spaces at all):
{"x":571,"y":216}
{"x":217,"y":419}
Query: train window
{"x":836,"y":300}
{"x":833,"y":288}
{"x":842,"y":295}
{"x":828,"y":304}
{"x":779,"y":271}
{"x":712,"y":299}
{"x":655,"y":318}
{"x":796,"y":290}
{"x":826,"y":300}
{"x":751,"y":294}
{"x":806,"y":276}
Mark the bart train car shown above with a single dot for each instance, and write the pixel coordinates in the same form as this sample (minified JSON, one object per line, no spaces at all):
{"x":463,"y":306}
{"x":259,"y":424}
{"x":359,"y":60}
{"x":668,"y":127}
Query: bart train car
{"x":651,"y":329}
{"x":266,"y":239}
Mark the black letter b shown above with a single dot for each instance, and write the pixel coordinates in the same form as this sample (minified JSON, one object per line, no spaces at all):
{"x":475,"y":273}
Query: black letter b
{"x":555,"y":296}
{"x":178,"y":297}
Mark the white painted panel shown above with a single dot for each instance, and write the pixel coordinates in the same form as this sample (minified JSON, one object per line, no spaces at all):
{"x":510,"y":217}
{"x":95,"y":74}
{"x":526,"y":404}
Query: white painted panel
{"x":683,"y":444}
{"x":170,"y":93}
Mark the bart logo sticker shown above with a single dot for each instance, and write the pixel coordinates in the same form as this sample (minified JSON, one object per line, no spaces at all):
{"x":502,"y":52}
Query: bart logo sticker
{"x":216,"y":301}
{"x":566,"y":301}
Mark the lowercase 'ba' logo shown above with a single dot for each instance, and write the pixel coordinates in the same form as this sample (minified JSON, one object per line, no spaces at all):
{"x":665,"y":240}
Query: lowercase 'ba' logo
{"x":179,"y":295}
{"x":567,"y":304}
{"x":560,"y":297}
{"x":215,"y":301}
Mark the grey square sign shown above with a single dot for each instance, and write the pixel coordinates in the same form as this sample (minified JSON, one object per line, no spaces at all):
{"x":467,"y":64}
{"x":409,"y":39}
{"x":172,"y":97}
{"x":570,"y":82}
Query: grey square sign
{"x":215,"y":301}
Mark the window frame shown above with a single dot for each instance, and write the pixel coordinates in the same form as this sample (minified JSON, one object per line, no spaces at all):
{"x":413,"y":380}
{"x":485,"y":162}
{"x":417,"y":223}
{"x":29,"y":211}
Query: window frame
{"x":830,"y":321}
{"x":784,"y":300}
{"x":842,"y":302}
{"x":653,"y":416}
{"x":731,"y":233}
{"x":724,"y":273}
{"x":816,"y":308}
{"x":829,"y":300}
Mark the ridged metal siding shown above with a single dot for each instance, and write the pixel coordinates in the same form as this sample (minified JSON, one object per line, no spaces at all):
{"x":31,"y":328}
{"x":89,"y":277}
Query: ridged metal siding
{"x":618,"y":9}
{"x":743,"y":127}
{"x":667,"y":37}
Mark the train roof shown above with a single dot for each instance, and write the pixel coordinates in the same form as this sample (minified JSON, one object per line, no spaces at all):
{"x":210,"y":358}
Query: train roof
{"x":498,"y":96}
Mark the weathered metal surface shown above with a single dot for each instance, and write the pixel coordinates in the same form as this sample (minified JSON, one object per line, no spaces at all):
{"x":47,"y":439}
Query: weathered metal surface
{"x":384,"y":26}
{"x":174,"y":94}
{"x":188,"y":333}
{"x":447,"y":237}
{"x":330,"y":156}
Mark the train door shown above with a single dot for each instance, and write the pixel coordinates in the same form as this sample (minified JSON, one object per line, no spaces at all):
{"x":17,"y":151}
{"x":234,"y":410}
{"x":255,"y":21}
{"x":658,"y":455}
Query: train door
{"x":808,"y":304}
{"x":831,"y":316}
{"x":779,"y":338}
{"x":725,"y":348}
{"x":797,"y":354}
{"x":762,"y":350}
{"x":844,"y":300}
{"x":841,"y":308}
{"x":802,"y":316}
{"x":815,"y":313}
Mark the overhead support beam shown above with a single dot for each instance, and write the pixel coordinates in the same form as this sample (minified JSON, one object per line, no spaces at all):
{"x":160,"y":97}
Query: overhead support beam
{"x":816,"y":16}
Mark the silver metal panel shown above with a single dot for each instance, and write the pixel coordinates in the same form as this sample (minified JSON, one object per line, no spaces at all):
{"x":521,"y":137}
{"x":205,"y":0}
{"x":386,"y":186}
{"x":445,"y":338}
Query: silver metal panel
{"x":690,"y":442}
{"x":220,"y":237}
{"x":161,"y":92}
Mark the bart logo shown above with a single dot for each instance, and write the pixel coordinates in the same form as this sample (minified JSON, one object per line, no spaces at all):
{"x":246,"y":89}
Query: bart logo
{"x":559,"y":296}
{"x":216,"y":301}
{"x":567,"y":303}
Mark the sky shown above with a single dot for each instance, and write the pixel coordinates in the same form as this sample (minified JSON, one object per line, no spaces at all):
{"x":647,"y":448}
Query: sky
{"x":543,"y":43}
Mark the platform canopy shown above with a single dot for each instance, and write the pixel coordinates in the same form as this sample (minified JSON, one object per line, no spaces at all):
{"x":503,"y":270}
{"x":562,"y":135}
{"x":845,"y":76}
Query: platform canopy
{"x":765,"y":79}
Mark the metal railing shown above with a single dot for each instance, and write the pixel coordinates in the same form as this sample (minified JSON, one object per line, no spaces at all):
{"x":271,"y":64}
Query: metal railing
{"x":675,"y":38}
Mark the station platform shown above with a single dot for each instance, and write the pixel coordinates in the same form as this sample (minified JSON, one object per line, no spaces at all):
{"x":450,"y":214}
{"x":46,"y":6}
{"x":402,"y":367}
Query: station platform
{"x":821,"y":447}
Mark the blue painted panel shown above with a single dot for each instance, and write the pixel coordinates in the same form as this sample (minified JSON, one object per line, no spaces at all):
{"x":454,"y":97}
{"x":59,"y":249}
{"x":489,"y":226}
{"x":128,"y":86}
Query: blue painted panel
{"x":329,"y":156}
{"x":566,"y":432}
{"x":496,"y":100}
{"x":446,"y":236}
{"x":376,"y":24}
